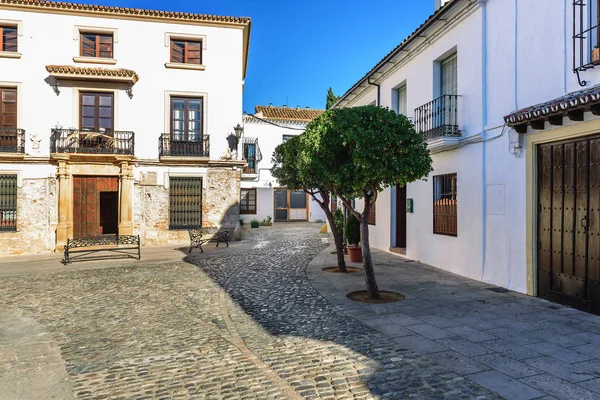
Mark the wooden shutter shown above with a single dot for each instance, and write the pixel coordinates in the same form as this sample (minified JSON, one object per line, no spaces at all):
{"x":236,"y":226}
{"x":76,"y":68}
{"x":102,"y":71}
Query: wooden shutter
{"x":8,"y":38}
{"x":8,"y":108}
{"x":96,"y":45}
{"x":185,"y":51}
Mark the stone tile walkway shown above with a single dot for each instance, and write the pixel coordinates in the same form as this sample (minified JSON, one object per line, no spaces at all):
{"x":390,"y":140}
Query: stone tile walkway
{"x":514,"y":345}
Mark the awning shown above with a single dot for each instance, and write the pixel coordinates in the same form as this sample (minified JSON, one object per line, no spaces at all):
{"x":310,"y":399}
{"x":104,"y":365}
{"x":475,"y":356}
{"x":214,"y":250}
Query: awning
{"x":572,"y":105}
{"x":93,"y":73}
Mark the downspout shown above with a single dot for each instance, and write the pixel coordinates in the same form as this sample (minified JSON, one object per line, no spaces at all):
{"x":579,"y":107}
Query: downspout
{"x":378,"y":91}
{"x":483,"y":127}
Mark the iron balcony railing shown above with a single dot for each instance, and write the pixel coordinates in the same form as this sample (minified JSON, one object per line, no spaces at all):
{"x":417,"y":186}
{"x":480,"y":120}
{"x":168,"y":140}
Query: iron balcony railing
{"x":91,"y":142}
{"x":176,"y":145}
{"x":438,"y":117}
{"x":12,"y":140}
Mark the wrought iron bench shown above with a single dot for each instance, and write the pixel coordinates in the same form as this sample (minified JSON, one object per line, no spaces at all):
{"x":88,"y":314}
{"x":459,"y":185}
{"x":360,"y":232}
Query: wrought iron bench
{"x":120,"y":246}
{"x":200,"y":236}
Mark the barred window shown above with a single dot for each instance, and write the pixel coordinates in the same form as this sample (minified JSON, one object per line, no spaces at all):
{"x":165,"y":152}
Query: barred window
{"x":445,"y":206}
{"x":248,"y":201}
{"x":373,"y":214}
{"x":185,"y":202}
{"x":8,"y":202}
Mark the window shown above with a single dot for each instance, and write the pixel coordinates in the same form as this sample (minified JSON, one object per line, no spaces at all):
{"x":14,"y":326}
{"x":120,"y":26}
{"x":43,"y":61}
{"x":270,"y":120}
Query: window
{"x":445,"y":208}
{"x":248,"y":201}
{"x":8,"y":202}
{"x":186,"y":51}
{"x":98,"y":45}
{"x":372,"y":215}
{"x":250,"y":157}
{"x":334,"y":203}
{"x":8,"y":38}
{"x":186,"y":119}
{"x":8,"y":108}
{"x":185,"y":202}
{"x":402,"y":100}
{"x":96,"y":111}
{"x":287,"y":137}
{"x":449,"y":76}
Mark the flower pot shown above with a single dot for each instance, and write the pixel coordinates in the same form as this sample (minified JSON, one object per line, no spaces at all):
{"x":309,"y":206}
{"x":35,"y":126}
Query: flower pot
{"x":596,"y":56}
{"x":254,"y":224}
{"x":355,"y":254}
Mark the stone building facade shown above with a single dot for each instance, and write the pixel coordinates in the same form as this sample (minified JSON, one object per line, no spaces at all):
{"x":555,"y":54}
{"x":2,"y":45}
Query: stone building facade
{"x":117,"y":121}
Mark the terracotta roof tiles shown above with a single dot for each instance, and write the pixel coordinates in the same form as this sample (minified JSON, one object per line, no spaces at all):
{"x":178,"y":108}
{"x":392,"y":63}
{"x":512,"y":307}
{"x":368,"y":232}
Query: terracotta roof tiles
{"x":287,"y":113}
{"x":92,"y":72}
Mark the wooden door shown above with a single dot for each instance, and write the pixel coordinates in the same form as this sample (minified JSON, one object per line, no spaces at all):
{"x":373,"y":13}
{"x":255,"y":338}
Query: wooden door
{"x":97,"y":112}
{"x":401,"y":216}
{"x":569,"y":222}
{"x":95,"y":205}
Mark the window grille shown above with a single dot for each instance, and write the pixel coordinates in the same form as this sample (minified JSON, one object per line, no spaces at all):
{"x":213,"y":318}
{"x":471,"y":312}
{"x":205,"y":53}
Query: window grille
{"x":185,"y":202}
{"x":586,"y":36}
{"x":445,"y":206}
{"x":8,"y":202}
{"x":248,"y":201}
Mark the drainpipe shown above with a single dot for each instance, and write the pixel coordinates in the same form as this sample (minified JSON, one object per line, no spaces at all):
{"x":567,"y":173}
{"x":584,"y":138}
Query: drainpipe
{"x":483,"y":127}
{"x":378,"y":91}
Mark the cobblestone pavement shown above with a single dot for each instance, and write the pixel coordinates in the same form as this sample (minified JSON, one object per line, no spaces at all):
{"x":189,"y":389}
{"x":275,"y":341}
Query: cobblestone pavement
{"x":245,"y":324}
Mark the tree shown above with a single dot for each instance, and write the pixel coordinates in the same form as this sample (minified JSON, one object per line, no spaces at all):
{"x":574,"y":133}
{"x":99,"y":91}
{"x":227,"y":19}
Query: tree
{"x":286,"y":170}
{"x":360,"y":151}
{"x":331,"y":98}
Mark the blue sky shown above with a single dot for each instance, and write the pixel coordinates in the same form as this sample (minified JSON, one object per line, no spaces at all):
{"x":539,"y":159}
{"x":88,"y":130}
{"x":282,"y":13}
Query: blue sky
{"x":299,"y":49}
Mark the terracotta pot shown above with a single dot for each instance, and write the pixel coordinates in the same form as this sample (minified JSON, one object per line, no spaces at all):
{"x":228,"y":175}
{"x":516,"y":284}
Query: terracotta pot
{"x":355,"y":254}
{"x":595,"y":56}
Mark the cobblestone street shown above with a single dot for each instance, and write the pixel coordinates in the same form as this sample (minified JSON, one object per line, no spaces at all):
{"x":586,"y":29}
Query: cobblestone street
{"x":243,"y":322}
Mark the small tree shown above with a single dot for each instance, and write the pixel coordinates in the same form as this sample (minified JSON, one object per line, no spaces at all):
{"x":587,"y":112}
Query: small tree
{"x":286,"y":170}
{"x":360,"y":151}
{"x":331,"y":99}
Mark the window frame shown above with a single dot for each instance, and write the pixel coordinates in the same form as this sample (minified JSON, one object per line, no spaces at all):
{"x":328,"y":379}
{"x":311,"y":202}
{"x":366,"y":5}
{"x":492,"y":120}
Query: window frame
{"x":402,"y":91}
{"x":2,"y":44}
{"x":172,"y":202}
{"x":10,"y":198}
{"x":16,"y":102}
{"x":185,"y":134}
{"x":450,"y":221}
{"x":245,"y":201}
{"x":186,"y":42}
{"x":97,"y":107}
{"x":248,"y":170}
{"x":97,"y":50}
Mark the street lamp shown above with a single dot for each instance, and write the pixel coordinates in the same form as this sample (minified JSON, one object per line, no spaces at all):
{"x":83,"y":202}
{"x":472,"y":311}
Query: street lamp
{"x":239,"y":130}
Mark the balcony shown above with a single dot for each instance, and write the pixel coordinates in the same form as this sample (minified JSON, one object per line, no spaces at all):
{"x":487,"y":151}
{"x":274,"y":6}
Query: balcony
{"x":438,"y":118}
{"x":12,"y":140}
{"x":174,"y":145}
{"x":73,"y":141}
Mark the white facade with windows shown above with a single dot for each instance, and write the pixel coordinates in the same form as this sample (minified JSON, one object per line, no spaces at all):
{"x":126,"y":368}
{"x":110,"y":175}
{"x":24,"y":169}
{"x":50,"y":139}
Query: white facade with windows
{"x":467,"y":67}
{"x":134,"y":97}
{"x":264,"y":130}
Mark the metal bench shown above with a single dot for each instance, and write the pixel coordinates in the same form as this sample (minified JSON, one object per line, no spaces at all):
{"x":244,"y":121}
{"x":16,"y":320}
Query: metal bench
{"x":200,"y":236}
{"x":119,"y":246}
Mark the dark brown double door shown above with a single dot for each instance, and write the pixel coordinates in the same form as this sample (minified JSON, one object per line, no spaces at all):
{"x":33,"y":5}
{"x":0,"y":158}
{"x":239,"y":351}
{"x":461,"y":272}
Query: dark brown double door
{"x":95,"y":205}
{"x":568,"y":269}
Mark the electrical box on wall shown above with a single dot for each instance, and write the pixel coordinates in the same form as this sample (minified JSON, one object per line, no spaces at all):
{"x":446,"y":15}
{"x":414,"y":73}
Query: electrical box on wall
{"x":409,"y":205}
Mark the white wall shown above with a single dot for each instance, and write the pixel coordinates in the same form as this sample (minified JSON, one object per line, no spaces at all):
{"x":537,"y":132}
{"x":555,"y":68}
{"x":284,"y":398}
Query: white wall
{"x":52,"y":39}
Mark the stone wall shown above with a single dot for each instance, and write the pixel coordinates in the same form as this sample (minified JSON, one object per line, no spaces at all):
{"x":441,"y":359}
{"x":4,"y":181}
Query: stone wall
{"x":220,"y":206}
{"x":36,"y":219}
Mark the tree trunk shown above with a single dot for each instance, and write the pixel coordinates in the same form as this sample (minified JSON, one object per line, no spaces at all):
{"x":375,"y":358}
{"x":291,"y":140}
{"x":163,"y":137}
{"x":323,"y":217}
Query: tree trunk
{"x":372,"y":288}
{"x":337,"y":239}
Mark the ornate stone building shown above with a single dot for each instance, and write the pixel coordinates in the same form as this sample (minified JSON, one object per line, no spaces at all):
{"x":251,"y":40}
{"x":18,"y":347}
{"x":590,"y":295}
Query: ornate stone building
{"x":116,"y":121}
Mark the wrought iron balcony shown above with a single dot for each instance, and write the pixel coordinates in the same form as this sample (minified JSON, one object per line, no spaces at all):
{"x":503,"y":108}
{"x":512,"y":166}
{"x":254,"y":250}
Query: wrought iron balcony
{"x":178,"y":146}
{"x":438,"y":118}
{"x":12,"y":140}
{"x":91,"y":142}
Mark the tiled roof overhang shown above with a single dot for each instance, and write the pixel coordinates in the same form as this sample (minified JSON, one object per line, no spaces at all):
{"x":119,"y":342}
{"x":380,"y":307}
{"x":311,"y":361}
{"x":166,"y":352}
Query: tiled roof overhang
{"x":92,"y":73}
{"x":572,"y":105}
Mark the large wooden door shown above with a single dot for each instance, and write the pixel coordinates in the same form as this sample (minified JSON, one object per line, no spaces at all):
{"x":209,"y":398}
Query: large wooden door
{"x":95,"y":205}
{"x":291,"y":205}
{"x":569,"y":222}
{"x":401,"y":216}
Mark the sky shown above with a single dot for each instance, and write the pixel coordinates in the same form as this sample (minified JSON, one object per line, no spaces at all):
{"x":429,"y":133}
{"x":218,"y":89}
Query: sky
{"x":298,"y":49}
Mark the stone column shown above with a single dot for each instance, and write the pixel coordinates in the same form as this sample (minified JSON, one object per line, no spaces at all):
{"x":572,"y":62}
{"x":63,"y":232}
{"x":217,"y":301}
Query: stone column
{"x":65,"y":209}
{"x":126,"y":200}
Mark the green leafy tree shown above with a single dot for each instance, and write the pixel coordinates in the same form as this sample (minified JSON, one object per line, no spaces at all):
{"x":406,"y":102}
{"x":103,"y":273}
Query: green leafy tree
{"x":331,"y":98}
{"x":286,"y":170}
{"x":358,"y":152}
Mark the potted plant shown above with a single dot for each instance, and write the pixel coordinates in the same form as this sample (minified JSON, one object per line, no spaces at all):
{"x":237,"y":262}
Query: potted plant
{"x":254,"y":223}
{"x":353,"y":237}
{"x":596,"y":55}
{"x":266,"y":221}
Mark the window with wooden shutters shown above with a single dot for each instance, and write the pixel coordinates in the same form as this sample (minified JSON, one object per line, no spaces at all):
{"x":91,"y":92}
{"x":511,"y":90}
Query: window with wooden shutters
{"x":248,"y":201}
{"x":186,"y":51}
{"x":445,"y":206}
{"x":98,"y":45}
{"x":373,"y":214}
{"x":8,"y":108}
{"x":8,"y":202}
{"x":185,"y":202}
{"x":8,"y":38}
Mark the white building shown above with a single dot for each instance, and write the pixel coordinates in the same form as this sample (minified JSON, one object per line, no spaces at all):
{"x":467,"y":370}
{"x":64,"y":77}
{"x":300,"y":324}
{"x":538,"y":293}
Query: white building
{"x":497,"y":208}
{"x":261,"y":195}
{"x":115,"y":120}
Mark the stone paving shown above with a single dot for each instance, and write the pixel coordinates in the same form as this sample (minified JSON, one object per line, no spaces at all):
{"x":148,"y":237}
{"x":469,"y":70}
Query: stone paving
{"x":253,"y":322}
